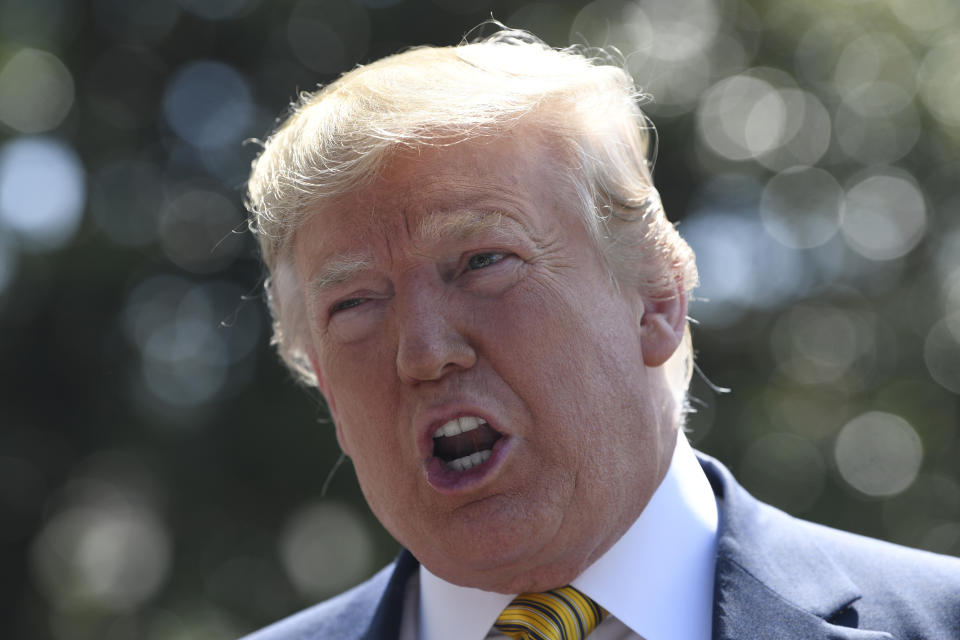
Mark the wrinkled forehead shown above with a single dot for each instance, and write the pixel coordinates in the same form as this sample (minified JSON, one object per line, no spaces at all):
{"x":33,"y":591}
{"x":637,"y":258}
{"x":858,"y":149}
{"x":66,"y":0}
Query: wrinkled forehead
{"x":358,"y":234}
{"x":434,"y":193}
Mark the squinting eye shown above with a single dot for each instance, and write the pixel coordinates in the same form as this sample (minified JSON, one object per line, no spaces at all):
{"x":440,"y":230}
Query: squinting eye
{"x":343,"y":305}
{"x":483,"y":260}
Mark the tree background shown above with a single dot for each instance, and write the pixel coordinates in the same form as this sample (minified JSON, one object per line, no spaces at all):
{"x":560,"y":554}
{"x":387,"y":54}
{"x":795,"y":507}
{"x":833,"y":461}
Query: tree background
{"x":162,"y":477}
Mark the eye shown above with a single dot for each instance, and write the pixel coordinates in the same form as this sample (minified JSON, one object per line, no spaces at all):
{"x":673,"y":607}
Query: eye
{"x":343,"y":305}
{"x":484,"y":260}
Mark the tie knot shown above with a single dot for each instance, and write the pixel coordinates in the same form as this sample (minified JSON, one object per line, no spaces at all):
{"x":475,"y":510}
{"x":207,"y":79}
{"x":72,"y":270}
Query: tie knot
{"x":559,"y":614}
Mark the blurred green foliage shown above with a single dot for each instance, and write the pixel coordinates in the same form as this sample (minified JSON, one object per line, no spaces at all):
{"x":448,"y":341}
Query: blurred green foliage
{"x":162,"y":477}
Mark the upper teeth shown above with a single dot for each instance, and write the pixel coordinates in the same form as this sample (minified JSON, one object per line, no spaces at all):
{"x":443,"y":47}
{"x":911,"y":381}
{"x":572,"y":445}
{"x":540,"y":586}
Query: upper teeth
{"x":459,"y":425}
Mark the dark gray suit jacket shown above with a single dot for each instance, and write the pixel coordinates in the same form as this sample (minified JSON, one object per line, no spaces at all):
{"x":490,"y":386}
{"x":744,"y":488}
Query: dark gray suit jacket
{"x":777,"y":578}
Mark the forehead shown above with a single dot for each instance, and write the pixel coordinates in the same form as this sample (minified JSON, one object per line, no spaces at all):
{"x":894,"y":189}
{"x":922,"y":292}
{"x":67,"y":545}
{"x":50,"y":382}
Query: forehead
{"x":435,"y":194}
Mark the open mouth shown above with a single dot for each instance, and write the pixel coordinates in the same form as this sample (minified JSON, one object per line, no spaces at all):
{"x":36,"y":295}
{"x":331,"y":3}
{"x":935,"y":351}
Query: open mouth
{"x":464,"y":443}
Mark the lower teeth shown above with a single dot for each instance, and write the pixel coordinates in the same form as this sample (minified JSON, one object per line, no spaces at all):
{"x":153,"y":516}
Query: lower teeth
{"x":470,"y":461}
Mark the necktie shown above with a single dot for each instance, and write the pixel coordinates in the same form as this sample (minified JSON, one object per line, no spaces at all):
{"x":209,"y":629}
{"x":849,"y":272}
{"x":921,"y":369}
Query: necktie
{"x":560,"y":614}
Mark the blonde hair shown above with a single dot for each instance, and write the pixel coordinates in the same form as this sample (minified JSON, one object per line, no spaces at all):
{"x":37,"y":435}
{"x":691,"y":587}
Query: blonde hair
{"x":337,"y":139}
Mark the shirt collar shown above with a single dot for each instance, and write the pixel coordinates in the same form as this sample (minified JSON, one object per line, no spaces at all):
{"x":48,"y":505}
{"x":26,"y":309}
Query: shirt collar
{"x":451,"y":611}
{"x":665,"y":560}
{"x":666,"y":557}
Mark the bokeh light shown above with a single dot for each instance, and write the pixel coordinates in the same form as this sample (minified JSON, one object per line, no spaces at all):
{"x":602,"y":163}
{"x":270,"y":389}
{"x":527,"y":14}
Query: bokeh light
{"x":36,"y":91}
{"x":115,"y":557}
{"x":807,"y":135}
{"x":673,"y":46}
{"x":188,"y":335}
{"x":800,"y":207}
{"x":326,"y":548}
{"x":878,"y":453}
{"x":884,"y":216}
{"x":946,"y":258}
{"x":816,"y":413}
{"x":926,"y":16}
{"x":817,"y":49}
{"x":208,"y":104}
{"x":876,"y":140}
{"x":822,"y":344}
{"x":939,"y":84}
{"x":785,"y":470}
{"x":105,"y":545}
{"x":951,"y":291}
{"x":875,"y":75}
{"x":741,"y":266}
{"x":200,"y":230}
{"x":42,"y":191}
{"x":942,"y":352}
{"x":620,"y":24}
{"x":684,"y":28}
{"x":741,"y":117}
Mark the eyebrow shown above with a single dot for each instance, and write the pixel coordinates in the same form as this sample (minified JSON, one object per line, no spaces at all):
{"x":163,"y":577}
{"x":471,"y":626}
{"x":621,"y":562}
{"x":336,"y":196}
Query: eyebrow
{"x":458,"y":225}
{"x":338,"y":270}
{"x":455,"y":225}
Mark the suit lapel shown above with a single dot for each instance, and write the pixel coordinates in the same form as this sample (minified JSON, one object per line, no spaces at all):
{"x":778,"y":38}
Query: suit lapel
{"x":385,"y":624}
{"x":772,"y":581}
{"x":746,"y":609}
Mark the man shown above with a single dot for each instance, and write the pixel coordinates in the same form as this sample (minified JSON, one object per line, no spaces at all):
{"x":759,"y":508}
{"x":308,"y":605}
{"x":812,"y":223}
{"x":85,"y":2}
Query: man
{"x":469,"y":260}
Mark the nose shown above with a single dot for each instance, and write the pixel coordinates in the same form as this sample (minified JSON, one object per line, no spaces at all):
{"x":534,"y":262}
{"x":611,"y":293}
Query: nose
{"x":431,"y":342}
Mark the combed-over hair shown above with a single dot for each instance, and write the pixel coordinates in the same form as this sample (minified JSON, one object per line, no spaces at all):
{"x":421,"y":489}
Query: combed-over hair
{"x":338,"y":138}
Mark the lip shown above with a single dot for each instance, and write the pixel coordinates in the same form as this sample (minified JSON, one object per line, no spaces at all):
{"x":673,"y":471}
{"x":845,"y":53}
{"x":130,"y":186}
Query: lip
{"x":450,"y":482}
{"x":447,"y":481}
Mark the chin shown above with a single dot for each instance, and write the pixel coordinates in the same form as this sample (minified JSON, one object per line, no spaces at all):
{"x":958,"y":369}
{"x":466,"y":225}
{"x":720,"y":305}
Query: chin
{"x":492,"y":561}
{"x":506,"y":578}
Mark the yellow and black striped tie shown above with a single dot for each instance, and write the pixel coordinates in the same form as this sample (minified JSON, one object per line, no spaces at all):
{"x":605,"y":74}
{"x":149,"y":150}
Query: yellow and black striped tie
{"x":560,"y":614}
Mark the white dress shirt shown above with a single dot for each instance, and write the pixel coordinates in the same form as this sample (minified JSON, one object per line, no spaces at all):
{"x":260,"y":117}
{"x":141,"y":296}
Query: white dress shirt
{"x":656,"y":581}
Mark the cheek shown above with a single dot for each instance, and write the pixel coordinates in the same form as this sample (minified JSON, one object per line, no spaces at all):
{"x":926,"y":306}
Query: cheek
{"x":363,"y":428}
{"x":362,"y":402}
{"x":571,"y":356}
{"x":569,"y":337}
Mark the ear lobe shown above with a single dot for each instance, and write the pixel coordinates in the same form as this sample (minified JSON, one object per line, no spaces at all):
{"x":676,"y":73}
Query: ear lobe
{"x":324,"y":389}
{"x":662,"y":327}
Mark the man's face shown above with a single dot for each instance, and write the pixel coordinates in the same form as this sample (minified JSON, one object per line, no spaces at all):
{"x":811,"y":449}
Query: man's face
{"x":461,"y":290}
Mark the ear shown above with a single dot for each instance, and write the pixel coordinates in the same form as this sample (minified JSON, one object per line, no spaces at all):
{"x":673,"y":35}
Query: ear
{"x":662,"y":326}
{"x":324,"y":388}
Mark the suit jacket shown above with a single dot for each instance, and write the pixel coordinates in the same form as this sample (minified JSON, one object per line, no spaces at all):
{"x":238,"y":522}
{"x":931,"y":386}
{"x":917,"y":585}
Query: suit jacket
{"x":777,"y":577}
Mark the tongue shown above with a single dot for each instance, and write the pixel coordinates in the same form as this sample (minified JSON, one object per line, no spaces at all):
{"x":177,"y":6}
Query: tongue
{"x":453,"y":447}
